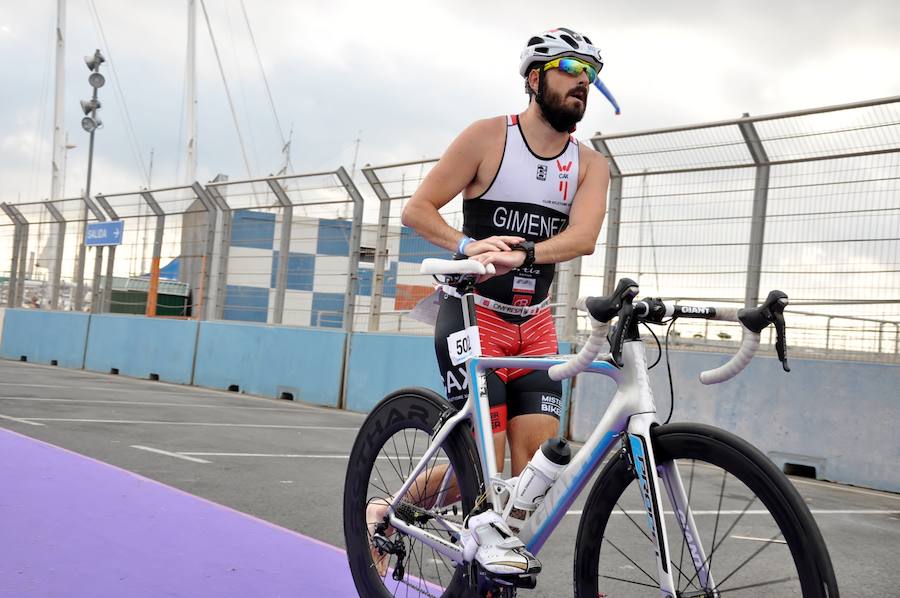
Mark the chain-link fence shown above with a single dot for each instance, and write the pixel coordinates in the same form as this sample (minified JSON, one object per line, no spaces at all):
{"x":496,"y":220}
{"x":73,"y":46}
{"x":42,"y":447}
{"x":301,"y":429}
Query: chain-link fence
{"x":398,"y":252}
{"x":806,"y":202}
{"x":210,"y":251}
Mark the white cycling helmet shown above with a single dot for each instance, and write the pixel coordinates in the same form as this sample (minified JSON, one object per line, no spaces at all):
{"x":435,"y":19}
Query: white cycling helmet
{"x":559,"y":42}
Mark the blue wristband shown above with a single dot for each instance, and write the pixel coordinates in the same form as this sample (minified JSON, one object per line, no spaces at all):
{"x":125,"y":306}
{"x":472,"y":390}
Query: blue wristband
{"x":461,"y":246}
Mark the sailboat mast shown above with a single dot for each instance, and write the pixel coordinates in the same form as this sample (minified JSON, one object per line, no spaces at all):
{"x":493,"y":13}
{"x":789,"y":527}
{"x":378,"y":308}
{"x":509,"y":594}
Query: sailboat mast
{"x":59,"y":152}
{"x":191,"y":93}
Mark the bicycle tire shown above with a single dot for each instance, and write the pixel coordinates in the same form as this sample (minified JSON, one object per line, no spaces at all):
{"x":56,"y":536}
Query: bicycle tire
{"x":808,"y":557}
{"x":405,"y":409}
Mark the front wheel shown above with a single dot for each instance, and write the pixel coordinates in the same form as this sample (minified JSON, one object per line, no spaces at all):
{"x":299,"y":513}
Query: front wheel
{"x":758,"y":536}
{"x":388,"y":446}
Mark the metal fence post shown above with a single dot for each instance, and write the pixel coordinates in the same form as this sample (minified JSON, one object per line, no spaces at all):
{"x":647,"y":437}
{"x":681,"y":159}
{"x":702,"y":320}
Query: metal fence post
{"x":284,"y":248}
{"x":56,"y":270}
{"x":22,"y":275}
{"x":758,"y":221}
{"x":572,"y":290}
{"x":384,"y":215}
{"x":224,"y":245}
{"x":157,"y":251}
{"x":207,"y":279}
{"x":110,"y":258}
{"x":355,"y":240}
{"x":96,"y":293}
{"x":614,"y":217}
{"x":12,"y":283}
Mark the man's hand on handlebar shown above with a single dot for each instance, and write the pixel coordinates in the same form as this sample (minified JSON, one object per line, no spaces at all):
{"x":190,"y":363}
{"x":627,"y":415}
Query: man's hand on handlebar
{"x":495,"y":243}
{"x":504,"y":261}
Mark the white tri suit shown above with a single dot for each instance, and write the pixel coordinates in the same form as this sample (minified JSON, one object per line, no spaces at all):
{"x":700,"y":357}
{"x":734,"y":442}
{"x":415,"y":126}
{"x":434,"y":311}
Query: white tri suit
{"x":529,"y":197}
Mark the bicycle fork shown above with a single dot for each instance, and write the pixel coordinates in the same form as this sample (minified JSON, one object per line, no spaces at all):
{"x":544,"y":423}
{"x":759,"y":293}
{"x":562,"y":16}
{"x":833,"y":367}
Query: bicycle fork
{"x":650,"y":477}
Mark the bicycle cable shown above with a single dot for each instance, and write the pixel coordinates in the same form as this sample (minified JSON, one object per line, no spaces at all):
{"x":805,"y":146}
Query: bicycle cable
{"x":658,"y":346}
{"x":669,"y":369}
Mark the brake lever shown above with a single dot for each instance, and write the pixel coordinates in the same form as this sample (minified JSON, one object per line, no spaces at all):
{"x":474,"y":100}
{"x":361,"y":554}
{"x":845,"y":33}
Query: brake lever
{"x":626,"y":314}
{"x":781,"y":339}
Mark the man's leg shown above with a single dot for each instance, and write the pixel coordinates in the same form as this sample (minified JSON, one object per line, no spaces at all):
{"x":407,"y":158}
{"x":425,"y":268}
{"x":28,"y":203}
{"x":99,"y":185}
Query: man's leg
{"x":533,"y":403}
{"x":526,"y":434}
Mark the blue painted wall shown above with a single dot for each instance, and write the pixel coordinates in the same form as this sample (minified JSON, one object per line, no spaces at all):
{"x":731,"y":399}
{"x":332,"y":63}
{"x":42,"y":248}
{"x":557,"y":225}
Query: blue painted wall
{"x":139,"y":346}
{"x":269,"y":360}
{"x":837,"y":416}
{"x":43,"y":336}
{"x":381,"y":363}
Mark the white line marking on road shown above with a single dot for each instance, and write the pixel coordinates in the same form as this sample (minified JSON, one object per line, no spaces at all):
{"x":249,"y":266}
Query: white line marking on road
{"x":21,"y":421}
{"x":168,"y":454}
{"x":298,"y":456}
{"x":766,"y":540}
{"x":144,"y":403}
{"x":844,"y":488}
{"x":171,"y":423}
{"x":824,"y":484}
{"x":765,"y":512}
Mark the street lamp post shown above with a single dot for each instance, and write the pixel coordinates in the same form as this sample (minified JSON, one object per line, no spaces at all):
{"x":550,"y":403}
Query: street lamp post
{"x":91,"y":123}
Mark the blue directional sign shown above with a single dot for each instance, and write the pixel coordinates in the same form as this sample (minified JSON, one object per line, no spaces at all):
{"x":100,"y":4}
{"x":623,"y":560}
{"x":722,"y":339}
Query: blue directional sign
{"x":104,"y":233}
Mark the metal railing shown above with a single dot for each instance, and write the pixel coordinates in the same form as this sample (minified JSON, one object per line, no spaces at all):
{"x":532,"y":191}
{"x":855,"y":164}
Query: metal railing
{"x":807,"y":202}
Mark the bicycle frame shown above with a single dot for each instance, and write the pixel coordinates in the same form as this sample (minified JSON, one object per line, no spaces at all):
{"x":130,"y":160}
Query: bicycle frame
{"x":629,"y":417}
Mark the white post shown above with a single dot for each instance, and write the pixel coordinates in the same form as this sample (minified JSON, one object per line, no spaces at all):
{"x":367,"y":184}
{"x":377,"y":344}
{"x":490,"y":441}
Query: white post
{"x":191,"y":94}
{"x":59,"y":149}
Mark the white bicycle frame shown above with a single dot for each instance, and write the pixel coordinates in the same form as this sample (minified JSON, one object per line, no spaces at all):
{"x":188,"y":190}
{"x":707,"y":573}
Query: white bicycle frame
{"x":630,"y":414}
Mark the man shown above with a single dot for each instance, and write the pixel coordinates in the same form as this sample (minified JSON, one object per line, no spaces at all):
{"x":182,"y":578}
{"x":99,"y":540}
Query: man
{"x":533,"y":197}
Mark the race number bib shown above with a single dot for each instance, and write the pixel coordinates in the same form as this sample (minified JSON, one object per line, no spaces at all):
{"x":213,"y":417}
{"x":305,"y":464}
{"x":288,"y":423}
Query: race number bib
{"x":463,"y":344}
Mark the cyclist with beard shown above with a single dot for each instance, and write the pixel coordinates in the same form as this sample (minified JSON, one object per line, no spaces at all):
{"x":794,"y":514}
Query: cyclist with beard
{"x":533,"y":197}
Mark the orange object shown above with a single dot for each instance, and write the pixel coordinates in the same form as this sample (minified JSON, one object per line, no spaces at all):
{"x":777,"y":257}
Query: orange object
{"x":154,"y":288}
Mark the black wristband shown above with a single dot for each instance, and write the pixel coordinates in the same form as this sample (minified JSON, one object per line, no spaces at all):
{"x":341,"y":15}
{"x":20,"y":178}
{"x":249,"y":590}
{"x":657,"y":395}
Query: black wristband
{"x":528,"y":248}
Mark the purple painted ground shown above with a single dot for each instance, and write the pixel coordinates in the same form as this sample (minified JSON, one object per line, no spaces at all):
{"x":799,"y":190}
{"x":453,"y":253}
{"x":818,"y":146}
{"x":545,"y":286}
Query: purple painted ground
{"x":75,"y":527}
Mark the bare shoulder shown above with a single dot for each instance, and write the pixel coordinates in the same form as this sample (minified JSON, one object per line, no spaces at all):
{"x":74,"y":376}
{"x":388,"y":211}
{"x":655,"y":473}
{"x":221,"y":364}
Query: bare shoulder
{"x":485,"y":130}
{"x":591,"y":157}
{"x":593,"y":163}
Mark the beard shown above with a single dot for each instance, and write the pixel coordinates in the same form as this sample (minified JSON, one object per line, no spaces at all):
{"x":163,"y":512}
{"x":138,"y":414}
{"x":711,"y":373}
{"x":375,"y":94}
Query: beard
{"x":553,"y":106}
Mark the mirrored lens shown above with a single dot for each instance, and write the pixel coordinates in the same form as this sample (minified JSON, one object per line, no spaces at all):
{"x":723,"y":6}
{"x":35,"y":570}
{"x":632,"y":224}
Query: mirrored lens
{"x":576,"y":67}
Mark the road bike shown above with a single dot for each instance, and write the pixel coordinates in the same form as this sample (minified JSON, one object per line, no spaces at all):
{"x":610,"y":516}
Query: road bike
{"x":677,"y":510}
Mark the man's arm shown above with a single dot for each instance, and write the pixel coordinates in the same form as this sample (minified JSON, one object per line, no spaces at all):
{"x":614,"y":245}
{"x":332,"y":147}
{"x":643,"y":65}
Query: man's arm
{"x":585,"y":219}
{"x":456,"y":170}
{"x":585,"y":216}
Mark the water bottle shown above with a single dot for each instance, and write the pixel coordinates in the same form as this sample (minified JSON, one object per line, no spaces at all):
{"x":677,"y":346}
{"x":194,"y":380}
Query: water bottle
{"x":537,"y":477}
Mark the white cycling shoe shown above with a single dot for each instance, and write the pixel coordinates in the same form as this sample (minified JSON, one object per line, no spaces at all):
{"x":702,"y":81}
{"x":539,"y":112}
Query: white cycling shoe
{"x":488,"y":540}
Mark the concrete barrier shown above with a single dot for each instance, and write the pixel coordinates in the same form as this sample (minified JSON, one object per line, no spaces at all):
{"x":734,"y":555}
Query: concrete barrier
{"x":836,"y":416}
{"x":156,"y":348}
{"x":271,"y":360}
{"x":44,"y":336}
{"x":380,"y":363}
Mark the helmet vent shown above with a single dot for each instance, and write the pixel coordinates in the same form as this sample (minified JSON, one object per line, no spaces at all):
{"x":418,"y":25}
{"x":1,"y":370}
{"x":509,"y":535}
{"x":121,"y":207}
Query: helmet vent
{"x":588,"y":40}
{"x":541,"y":50}
{"x":535,"y":40}
{"x":569,"y":40}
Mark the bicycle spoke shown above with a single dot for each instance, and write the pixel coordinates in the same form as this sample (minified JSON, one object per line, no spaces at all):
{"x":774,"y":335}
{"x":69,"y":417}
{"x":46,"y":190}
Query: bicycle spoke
{"x":380,"y":488}
{"x":756,"y":585}
{"x":636,"y":524}
{"x":637,"y":583}
{"x":718,"y":513}
{"x":653,"y":579}
{"x":683,"y":534}
{"x":750,"y":558}
{"x":725,"y":535}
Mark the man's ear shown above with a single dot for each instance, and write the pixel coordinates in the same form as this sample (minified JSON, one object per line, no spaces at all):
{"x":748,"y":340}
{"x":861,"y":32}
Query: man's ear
{"x":534,"y":76}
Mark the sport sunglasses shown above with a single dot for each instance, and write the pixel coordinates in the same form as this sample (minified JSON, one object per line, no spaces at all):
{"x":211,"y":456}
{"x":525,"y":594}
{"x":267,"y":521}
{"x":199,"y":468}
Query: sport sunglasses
{"x":572,"y":66}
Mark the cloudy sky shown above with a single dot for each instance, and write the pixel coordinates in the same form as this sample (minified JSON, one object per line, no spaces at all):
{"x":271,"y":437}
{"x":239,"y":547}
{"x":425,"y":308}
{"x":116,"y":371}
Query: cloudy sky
{"x":409,"y":75}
